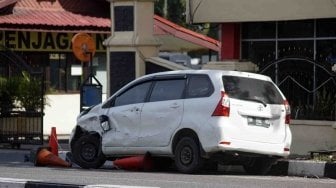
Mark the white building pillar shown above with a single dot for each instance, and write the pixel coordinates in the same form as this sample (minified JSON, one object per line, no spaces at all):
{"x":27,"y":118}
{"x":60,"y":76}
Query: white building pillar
{"x":131,"y":41}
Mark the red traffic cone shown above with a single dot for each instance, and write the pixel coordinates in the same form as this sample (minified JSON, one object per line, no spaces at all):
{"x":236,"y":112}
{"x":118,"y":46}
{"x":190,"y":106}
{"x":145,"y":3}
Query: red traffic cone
{"x":53,"y":142}
{"x":46,"y":158}
{"x":143,"y":162}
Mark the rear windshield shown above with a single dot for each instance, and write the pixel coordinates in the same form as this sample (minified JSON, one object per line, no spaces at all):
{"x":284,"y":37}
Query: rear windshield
{"x":252,"y":89}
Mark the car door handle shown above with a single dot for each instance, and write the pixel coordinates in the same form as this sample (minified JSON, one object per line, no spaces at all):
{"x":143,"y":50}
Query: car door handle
{"x":136,"y":109}
{"x":174,"y":106}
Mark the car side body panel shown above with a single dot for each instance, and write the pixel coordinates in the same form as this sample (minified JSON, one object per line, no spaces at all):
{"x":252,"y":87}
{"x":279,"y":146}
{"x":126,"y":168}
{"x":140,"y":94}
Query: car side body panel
{"x":159,"y":120}
{"x":125,"y":125}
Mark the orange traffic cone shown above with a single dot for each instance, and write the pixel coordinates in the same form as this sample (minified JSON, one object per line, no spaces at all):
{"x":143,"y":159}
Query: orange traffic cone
{"x":53,"y":142}
{"x":46,"y":158}
{"x":143,"y":162}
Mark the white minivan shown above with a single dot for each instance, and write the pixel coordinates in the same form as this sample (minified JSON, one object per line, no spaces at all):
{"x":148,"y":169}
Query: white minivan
{"x":191,"y":117}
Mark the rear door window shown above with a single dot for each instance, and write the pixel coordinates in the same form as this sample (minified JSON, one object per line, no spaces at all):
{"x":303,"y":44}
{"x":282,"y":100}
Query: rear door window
{"x":252,"y":89}
{"x":167,"y":90}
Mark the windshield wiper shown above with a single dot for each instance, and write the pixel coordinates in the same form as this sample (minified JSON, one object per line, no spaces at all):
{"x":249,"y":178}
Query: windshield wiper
{"x":257,"y":100}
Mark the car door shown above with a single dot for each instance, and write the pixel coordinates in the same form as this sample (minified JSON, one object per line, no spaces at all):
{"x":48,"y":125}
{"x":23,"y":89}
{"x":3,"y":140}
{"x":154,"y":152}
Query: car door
{"x":124,"y":117}
{"x":163,"y":112}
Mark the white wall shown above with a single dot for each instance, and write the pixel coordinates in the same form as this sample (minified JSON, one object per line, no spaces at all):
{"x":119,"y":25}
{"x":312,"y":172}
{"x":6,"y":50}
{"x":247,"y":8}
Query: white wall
{"x":61,"y":113}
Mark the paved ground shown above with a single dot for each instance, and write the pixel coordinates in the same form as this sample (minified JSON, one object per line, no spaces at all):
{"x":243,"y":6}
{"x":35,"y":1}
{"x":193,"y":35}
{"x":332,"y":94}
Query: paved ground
{"x":305,"y":168}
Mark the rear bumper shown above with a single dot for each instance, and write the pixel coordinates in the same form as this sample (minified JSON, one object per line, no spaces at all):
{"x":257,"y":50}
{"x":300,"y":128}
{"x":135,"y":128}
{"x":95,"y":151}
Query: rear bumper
{"x":270,"y":149}
{"x":224,"y":138}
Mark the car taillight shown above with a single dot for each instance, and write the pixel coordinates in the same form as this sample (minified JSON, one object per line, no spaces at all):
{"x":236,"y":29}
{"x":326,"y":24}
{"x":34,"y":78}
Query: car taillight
{"x":223,"y":106}
{"x":288,"y":112}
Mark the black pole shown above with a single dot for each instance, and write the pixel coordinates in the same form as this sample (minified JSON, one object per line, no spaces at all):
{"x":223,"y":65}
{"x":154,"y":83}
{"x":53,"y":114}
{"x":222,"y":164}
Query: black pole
{"x":91,"y":67}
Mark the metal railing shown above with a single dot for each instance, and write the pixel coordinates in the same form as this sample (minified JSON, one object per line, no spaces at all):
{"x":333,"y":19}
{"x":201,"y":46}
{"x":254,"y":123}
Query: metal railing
{"x":20,"y":127}
{"x":309,"y":87}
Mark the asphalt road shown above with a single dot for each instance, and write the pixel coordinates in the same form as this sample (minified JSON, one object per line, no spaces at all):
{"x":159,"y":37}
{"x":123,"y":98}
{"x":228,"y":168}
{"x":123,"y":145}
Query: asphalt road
{"x":12,"y":165}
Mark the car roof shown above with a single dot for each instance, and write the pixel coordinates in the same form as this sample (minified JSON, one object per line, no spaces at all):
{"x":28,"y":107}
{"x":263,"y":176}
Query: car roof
{"x":212,"y":73}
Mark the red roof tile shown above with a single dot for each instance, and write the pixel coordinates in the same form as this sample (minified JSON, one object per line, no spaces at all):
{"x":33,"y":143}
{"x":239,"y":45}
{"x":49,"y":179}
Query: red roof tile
{"x":4,"y":3}
{"x":50,"y":13}
{"x":55,"y":13}
{"x":53,"y":18}
{"x":164,"y":26}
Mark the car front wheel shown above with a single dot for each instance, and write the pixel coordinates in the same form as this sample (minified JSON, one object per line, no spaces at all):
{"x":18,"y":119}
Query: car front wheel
{"x":87,"y":152}
{"x":187,"y":155}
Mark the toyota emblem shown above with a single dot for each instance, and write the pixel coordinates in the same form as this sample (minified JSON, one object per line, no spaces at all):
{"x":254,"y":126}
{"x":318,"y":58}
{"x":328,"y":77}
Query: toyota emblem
{"x":260,"y":108}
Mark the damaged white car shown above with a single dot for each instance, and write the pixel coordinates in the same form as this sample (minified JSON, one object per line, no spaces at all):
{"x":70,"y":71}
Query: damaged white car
{"x":190,"y":117}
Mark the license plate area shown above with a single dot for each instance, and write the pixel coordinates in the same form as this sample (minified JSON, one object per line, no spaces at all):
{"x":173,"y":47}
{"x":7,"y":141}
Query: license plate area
{"x":259,"y":122}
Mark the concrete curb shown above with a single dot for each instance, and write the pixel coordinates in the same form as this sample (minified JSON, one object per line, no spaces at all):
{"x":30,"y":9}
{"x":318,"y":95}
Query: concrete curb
{"x":305,"y":168}
{"x":24,"y":183}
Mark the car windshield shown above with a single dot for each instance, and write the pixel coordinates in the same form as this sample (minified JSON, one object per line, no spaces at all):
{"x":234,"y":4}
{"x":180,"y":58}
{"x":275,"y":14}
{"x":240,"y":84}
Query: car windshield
{"x":250,"y":89}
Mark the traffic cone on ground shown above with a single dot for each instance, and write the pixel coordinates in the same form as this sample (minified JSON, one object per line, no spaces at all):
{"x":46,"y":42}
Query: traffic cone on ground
{"x":143,"y":162}
{"x":53,"y":142}
{"x":44,"y":157}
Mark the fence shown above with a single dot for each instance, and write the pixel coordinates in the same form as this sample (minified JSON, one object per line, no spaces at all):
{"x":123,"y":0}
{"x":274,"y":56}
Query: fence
{"x":21,"y":127}
{"x":21,"y":101}
{"x":309,"y":86}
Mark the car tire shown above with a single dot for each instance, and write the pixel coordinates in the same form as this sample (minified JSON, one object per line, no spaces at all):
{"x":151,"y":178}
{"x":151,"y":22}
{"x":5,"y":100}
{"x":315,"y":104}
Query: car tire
{"x":187,"y":156}
{"x":87,"y":152}
{"x":259,"y":166}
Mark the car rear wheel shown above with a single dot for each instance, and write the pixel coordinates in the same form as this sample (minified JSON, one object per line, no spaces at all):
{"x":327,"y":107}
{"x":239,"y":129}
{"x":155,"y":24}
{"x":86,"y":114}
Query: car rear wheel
{"x":187,"y":155}
{"x":87,"y":152}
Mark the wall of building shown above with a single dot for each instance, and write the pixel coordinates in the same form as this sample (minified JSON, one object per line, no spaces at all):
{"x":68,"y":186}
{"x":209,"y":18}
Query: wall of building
{"x":257,"y":10}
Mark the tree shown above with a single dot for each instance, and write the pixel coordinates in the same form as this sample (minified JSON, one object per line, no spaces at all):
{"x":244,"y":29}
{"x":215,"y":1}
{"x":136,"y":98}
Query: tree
{"x":174,"y":10}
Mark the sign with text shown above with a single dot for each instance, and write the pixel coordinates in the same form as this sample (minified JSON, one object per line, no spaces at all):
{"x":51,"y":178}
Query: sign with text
{"x":44,"y":41}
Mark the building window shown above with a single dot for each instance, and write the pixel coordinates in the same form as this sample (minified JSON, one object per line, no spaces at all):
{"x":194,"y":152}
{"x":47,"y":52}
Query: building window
{"x":122,"y":69}
{"x":65,"y":73}
{"x":298,"y":48}
{"x":257,"y":30}
{"x":326,"y":28}
{"x":326,"y":50}
{"x":299,"y":58}
{"x":296,"y":29}
{"x":259,"y":52}
{"x":123,"y":18}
